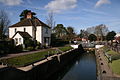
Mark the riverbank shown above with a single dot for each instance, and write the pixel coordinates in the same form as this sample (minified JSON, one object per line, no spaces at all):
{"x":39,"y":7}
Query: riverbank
{"x":41,"y":70}
{"x":104,"y":71}
{"x":24,"y":59}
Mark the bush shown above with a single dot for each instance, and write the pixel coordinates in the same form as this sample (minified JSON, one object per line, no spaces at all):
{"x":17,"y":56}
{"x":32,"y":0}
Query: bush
{"x":37,"y":47}
{"x":7,"y":46}
{"x":115,"y":57}
{"x":29,"y":43}
{"x":30,"y":48}
{"x":19,"y":48}
{"x":60,"y":42}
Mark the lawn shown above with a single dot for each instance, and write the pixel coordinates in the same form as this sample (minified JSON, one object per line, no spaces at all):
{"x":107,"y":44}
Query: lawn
{"x":105,"y":48}
{"x":30,"y":58}
{"x":65,"y":48}
{"x":115,"y":65}
{"x":111,"y":52}
{"x":27,"y":59}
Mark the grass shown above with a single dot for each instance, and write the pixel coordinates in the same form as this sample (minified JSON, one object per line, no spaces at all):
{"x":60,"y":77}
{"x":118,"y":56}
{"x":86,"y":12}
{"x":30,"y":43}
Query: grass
{"x":115,"y":65}
{"x":105,"y":48}
{"x":65,"y":48}
{"x":27,"y":59}
{"x":111,"y":52}
{"x":30,"y":58}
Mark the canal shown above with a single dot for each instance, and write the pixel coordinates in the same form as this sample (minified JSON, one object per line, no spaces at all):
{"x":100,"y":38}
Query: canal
{"x":82,"y":68}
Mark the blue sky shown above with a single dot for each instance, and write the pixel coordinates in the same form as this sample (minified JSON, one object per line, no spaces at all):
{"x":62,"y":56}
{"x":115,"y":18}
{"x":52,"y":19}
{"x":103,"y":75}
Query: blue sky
{"x":79,"y":14}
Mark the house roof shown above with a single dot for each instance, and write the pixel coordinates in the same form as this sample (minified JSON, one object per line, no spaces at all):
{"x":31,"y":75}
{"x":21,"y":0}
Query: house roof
{"x":23,"y":34}
{"x":29,"y":22}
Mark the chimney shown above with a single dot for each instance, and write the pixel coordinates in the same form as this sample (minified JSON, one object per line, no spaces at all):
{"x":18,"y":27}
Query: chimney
{"x":29,"y":15}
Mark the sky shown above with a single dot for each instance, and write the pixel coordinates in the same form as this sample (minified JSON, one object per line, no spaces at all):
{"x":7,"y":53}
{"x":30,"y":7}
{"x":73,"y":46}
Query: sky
{"x":79,"y":14}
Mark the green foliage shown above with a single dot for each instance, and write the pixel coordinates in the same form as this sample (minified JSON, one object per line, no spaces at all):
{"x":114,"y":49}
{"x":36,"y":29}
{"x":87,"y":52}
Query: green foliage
{"x":115,"y":57}
{"x":29,"y":43}
{"x":70,"y":30}
{"x":105,"y":49}
{"x":53,"y":39}
{"x":60,"y":30}
{"x":111,"y":52}
{"x":115,"y":65}
{"x":37,"y":47}
{"x":30,"y":48}
{"x":92,"y":37}
{"x":65,"y":48}
{"x":110,"y":36}
{"x":19,"y":48}
{"x":60,"y":42}
{"x":7,"y":46}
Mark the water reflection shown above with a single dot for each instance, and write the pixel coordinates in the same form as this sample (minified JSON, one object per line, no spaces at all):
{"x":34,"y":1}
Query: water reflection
{"x":84,"y":68}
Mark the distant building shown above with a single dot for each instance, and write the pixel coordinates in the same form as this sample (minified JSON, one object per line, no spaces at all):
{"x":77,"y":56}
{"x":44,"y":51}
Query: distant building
{"x":30,"y":28}
{"x":117,"y":37}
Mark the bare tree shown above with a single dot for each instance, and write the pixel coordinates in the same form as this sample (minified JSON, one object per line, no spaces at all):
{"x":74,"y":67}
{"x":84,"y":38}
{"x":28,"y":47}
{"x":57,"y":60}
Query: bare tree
{"x":101,"y":31}
{"x":50,"y":20}
{"x":4,"y":23}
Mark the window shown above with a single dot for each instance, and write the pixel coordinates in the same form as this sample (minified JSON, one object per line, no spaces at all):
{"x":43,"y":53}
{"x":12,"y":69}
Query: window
{"x":46,"y":30}
{"x":19,"y":40}
{"x":24,"y":29}
{"x":16,"y":40}
{"x":15,"y":30}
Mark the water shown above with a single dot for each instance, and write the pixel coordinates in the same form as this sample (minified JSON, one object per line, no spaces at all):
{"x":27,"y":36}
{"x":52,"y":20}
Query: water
{"x":83,"y":68}
{"x":80,"y":68}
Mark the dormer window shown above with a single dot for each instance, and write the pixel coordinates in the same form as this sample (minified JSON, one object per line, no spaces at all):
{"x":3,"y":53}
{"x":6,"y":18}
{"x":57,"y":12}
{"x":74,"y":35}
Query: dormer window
{"x":24,"y":29}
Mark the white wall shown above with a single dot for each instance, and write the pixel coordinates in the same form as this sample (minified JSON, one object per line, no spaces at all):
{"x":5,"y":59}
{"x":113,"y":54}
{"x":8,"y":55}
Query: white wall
{"x":98,"y":46}
{"x":12,"y":30}
{"x":39,"y":34}
{"x":74,"y":46}
{"x":18,"y":36}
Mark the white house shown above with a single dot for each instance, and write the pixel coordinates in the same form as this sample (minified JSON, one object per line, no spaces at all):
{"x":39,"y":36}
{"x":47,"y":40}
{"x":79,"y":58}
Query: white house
{"x":31,"y":28}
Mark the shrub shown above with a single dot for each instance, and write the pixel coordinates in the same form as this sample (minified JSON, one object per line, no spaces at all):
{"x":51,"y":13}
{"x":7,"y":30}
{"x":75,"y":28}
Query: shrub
{"x":19,"y":48}
{"x":29,"y":43}
{"x":7,"y":46}
{"x":115,"y":57}
{"x":37,"y":47}
{"x":30,"y":48}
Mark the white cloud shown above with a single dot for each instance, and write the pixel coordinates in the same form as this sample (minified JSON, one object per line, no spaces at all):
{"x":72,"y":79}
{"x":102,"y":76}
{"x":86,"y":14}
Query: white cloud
{"x":11,"y":2}
{"x":59,"y":5}
{"x":101,"y":2}
{"x":94,"y":11}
